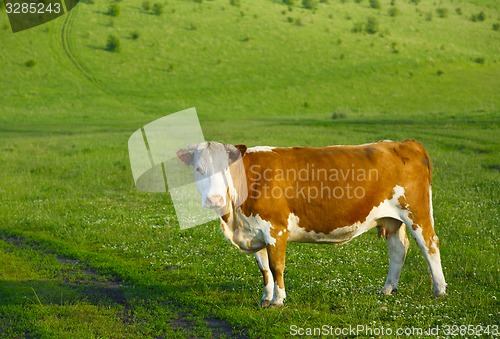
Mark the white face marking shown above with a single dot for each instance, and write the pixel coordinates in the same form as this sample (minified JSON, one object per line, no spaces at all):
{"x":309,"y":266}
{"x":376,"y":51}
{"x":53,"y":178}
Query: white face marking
{"x":211,"y":186}
{"x":387,"y":208}
{"x":260,"y":149}
{"x":210,"y":163}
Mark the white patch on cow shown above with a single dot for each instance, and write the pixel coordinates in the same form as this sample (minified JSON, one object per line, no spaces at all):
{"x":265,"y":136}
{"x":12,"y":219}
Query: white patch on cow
{"x":373,"y":143}
{"x":279,"y":296}
{"x":260,"y":149}
{"x":388,"y":208}
{"x":269,"y":288}
{"x":249,"y":233}
{"x":367,"y":144}
{"x":293,"y":222}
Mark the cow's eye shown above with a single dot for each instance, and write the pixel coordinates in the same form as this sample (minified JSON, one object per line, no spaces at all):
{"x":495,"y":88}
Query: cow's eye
{"x":199,"y":170}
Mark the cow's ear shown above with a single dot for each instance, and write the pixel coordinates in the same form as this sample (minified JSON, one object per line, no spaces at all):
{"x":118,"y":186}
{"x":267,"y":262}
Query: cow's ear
{"x":233,"y":152}
{"x":185,"y":156}
{"x":242,"y":148}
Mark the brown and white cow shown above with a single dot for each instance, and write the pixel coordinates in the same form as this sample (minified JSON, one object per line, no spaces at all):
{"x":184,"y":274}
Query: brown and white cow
{"x":319,"y":195}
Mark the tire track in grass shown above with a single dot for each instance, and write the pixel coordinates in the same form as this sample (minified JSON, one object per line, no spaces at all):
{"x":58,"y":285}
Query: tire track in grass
{"x":66,"y":30}
{"x":66,"y":33}
{"x":97,"y":288}
{"x":74,"y":274}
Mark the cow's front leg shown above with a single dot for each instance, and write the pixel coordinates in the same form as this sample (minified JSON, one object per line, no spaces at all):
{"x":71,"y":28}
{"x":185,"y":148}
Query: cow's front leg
{"x":263,"y":262}
{"x":277,"y":254}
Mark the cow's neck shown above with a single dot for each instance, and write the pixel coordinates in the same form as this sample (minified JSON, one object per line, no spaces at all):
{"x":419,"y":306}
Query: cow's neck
{"x":236,"y":189}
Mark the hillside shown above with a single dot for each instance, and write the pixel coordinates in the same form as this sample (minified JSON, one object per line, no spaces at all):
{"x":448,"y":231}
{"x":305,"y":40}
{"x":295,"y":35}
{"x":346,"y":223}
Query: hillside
{"x":258,"y":58}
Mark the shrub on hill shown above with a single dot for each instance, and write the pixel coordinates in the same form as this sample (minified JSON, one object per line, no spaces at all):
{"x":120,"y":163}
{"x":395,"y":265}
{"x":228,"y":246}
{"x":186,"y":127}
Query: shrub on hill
{"x":479,"y":60}
{"x":146,"y":5}
{"x":158,"y":9}
{"x":442,"y":12}
{"x":310,"y":4}
{"x":113,"y":44}
{"x":357,"y":27}
{"x":481,"y":16}
{"x":134,"y":35}
{"x":113,"y":10}
{"x":372,"y":25}
{"x":375,"y":4}
{"x":393,"y":11}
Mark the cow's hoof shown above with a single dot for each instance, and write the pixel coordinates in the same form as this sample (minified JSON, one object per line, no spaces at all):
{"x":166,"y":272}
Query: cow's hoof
{"x":440,"y":291}
{"x":388,"y":290}
{"x":265,"y":303}
{"x":440,"y":294}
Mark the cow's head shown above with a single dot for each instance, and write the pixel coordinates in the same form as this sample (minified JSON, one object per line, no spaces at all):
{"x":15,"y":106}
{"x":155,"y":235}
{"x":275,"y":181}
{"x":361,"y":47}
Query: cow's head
{"x":211,"y":161}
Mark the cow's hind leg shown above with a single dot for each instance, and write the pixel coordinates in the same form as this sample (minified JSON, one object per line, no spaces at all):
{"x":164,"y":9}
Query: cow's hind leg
{"x":277,"y":254}
{"x":397,"y":243}
{"x":428,"y":242}
{"x":263,"y":261}
{"x":420,"y":222}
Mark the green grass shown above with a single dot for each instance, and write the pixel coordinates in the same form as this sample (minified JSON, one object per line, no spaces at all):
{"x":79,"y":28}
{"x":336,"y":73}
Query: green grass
{"x":84,"y":255}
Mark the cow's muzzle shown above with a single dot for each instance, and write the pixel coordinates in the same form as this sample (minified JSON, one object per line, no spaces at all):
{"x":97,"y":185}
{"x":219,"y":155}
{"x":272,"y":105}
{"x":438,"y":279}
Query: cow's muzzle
{"x":214,"y":201}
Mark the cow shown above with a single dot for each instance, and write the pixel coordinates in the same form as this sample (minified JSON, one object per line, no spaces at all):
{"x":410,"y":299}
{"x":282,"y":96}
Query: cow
{"x":319,"y":195}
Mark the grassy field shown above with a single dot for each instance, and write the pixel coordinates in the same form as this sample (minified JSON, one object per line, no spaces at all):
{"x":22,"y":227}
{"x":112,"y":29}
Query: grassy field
{"x":85,"y":255}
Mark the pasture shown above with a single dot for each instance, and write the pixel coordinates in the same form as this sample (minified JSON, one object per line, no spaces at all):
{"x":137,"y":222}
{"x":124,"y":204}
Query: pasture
{"x":83,"y":254}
